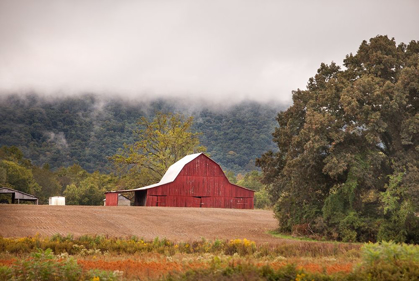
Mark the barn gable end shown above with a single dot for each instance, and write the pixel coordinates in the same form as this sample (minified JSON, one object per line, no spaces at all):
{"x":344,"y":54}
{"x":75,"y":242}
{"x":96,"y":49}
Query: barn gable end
{"x":194,"y":181}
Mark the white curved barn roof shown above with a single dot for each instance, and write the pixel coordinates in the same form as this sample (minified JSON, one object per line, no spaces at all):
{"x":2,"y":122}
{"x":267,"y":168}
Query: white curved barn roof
{"x":173,"y":171}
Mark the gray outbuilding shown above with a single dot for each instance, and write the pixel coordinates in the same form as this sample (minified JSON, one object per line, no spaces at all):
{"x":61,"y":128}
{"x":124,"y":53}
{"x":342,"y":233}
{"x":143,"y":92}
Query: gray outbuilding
{"x":17,"y":196}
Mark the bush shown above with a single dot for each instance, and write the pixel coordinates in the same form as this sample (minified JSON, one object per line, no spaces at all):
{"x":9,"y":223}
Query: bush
{"x":388,"y":261}
{"x":242,"y":247}
{"x":389,"y":252}
{"x":250,"y":272}
{"x":5,"y":273}
{"x":43,"y":265}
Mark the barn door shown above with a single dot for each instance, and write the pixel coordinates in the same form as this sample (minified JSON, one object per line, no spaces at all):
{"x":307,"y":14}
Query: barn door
{"x":196,"y":202}
{"x":240,"y":203}
{"x":201,"y":201}
{"x":207,"y":202}
{"x":158,"y":200}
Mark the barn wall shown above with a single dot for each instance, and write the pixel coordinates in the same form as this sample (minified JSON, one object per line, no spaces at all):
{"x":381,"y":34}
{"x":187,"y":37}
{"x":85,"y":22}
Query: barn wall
{"x":112,"y":199}
{"x":201,"y":183}
{"x":203,"y":202}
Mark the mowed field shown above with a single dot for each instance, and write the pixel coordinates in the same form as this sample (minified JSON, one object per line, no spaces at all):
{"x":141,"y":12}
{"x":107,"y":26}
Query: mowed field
{"x":176,"y":224}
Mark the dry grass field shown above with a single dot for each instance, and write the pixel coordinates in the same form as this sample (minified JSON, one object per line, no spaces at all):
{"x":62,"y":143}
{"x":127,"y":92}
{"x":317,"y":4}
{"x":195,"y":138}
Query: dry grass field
{"x":30,"y":245}
{"x":176,"y":224}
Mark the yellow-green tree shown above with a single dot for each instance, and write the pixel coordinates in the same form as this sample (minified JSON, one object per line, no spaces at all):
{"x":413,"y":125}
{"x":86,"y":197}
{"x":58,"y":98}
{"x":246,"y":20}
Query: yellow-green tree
{"x":160,"y":142}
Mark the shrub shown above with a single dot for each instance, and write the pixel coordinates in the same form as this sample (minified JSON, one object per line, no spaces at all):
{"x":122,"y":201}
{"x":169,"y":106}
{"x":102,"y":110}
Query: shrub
{"x":389,"y":252}
{"x":241,"y":247}
{"x":43,"y":265}
{"x":5,"y":273}
{"x":249,"y":272}
{"x":388,"y":261}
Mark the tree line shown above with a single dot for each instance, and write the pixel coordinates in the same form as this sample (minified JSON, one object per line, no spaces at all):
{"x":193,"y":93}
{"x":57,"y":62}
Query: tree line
{"x":158,"y":144}
{"x":76,"y":184}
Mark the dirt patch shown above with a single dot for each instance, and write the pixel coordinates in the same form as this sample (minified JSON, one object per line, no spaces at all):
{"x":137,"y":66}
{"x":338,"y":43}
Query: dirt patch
{"x":177,"y":224}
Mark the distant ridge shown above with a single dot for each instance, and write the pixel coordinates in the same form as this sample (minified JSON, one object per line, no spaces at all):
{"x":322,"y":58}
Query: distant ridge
{"x":87,"y":129}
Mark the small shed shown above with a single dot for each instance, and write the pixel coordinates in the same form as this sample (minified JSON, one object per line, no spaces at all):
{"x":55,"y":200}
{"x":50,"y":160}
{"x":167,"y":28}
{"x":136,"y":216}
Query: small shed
{"x":194,"y":181}
{"x":57,"y":200}
{"x":16,"y":196}
{"x":123,"y":201}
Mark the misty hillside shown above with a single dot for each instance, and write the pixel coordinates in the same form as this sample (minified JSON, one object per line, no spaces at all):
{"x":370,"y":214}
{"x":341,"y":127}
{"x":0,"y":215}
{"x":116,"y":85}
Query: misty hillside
{"x":85,"y":130}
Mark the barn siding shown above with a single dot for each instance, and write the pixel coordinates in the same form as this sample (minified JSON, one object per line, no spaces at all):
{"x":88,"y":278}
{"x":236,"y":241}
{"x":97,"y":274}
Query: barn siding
{"x":112,"y":199}
{"x":201,"y":183}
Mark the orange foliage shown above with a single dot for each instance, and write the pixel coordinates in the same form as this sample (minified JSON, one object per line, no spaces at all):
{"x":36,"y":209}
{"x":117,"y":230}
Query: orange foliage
{"x":346,"y":267}
{"x":133,"y":268}
{"x":312,"y":267}
{"x":7,"y":262}
{"x":155,"y":269}
{"x":330,"y":269}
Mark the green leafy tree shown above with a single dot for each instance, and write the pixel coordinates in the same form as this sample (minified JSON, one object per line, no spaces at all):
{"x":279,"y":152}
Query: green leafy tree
{"x":160,"y":142}
{"x":252,"y":180}
{"x":14,"y":154}
{"x":89,"y":190}
{"x":71,"y":175}
{"x":231,"y":177}
{"x":47,"y":180}
{"x":18,"y":177}
{"x":16,"y":171}
{"x":262,"y":199}
{"x":345,"y":141}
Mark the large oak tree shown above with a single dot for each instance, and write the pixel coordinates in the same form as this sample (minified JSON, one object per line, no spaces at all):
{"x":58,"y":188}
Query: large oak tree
{"x":348,"y":158}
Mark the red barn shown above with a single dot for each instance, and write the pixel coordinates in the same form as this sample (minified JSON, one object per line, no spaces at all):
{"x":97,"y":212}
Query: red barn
{"x":193,"y":181}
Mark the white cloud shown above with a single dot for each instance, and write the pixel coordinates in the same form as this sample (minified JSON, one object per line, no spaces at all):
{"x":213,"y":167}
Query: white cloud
{"x":221,"y":50}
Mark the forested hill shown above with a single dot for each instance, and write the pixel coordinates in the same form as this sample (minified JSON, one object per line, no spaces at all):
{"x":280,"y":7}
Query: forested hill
{"x":87,"y":129}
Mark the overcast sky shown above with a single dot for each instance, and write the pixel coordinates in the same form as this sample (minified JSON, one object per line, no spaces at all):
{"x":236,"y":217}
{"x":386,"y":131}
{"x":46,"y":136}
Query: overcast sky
{"x":223,"y":50}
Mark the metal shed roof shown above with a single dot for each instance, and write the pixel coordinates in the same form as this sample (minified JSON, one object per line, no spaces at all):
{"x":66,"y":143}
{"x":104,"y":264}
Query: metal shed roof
{"x":18,"y":195}
{"x":122,"y":197}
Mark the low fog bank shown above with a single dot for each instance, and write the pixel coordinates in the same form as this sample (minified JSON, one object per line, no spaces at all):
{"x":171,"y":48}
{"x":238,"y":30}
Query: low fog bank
{"x":147,"y":103}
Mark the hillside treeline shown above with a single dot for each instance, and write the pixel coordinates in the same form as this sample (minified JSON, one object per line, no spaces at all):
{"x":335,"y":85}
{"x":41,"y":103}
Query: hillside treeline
{"x":347,"y":165}
{"x":81,"y":187}
{"x":86,"y":130}
{"x":76,"y":184}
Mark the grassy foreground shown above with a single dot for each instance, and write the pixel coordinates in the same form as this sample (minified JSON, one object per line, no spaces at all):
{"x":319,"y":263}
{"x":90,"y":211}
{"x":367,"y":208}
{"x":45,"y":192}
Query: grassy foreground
{"x":106,"y":258}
